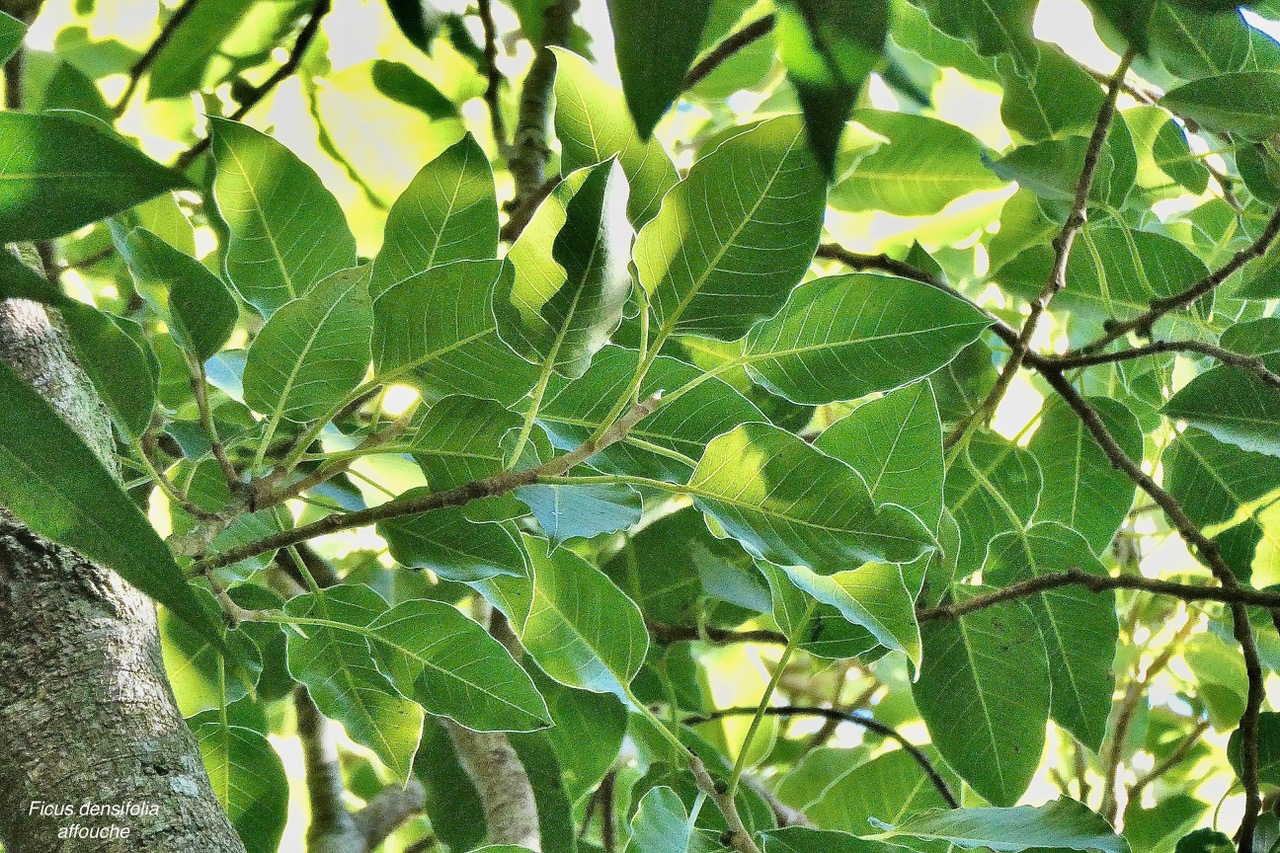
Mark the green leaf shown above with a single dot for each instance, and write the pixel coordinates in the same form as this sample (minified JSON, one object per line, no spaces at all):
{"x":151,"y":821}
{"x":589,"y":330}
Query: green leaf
{"x":1232,"y":405}
{"x":561,"y":310}
{"x":925,"y":166}
{"x":182,"y":63}
{"x":54,"y":483}
{"x":891,"y":787}
{"x":337,"y":666}
{"x":418,"y":20}
{"x":1192,"y":44}
{"x":202,"y":310}
{"x":1063,"y":823}
{"x":582,"y":511}
{"x":452,"y":667}
{"x":1245,"y":103}
{"x":588,"y":733}
{"x":448,"y":212}
{"x":815,"y":626}
{"x":793,"y":505}
{"x":248,"y":778}
{"x":436,"y":330}
{"x":12,"y":32}
{"x":799,"y":839}
{"x":1205,"y":841}
{"x":452,"y":803}
{"x":1081,"y":488}
{"x":993,"y":27}
{"x":895,"y":443}
{"x":872,"y":596}
{"x":655,"y":42}
{"x":1268,"y":749}
{"x":993,"y":486}
{"x":660,"y":824}
{"x":287,"y":230}
{"x":830,"y":47}
{"x":1079,"y":627}
{"x":555,"y":812}
{"x":449,"y":543}
{"x":984,"y":694}
{"x":111,"y":351}
{"x":313,"y":351}
{"x":580,"y":628}
{"x":759,"y":188}
{"x":1174,"y":156}
{"x":1051,"y":169}
{"x":60,"y":173}
{"x":843,"y":337}
{"x":572,"y":411}
{"x":1131,"y":17}
{"x":206,"y":673}
{"x":591,"y":124}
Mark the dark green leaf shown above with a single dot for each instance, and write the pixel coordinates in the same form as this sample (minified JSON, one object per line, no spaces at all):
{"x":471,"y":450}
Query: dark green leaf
{"x":1064,"y":824}
{"x":655,"y":42}
{"x":418,"y":20}
{"x":111,"y":351}
{"x":12,"y":32}
{"x":1268,"y":749}
{"x":450,"y":544}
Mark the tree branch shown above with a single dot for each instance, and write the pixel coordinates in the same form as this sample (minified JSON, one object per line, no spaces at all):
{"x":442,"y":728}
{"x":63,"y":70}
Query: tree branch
{"x":668,"y":634}
{"x":144,"y":62}
{"x":1061,"y":252}
{"x":530,"y":150}
{"x":498,"y":484}
{"x":1252,"y":363}
{"x":737,"y":835}
{"x":493,"y":76}
{"x":733,"y":43}
{"x":863,"y":720}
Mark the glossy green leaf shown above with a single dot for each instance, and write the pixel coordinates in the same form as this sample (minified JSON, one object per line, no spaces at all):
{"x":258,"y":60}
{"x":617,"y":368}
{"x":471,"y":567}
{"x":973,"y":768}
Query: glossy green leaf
{"x":993,"y":27}
{"x":983,"y":692}
{"x":60,"y":173}
{"x":1232,"y":405}
{"x":760,"y":188}
{"x":895,"y":443}
{"x":1268,"y":749}
{"x":110,"y":350}
{"x":793,"y":505}
{"x":436,"y":330}
{"x":592,"y":126}
{"x":287,"y":231}
{"x":199,"y":304}
{"x":54,"y":483}
{"x":448,"y":213}
{"x":872,"y":596}
{"x":1081,"y":488}
{"x":452,"y":667}
{"x":1245,"y":103}
{"x":655,"y":43}
{"x":891,"y":787}
{"x":843,"y":337}
{"x":337,"y":666}
{"x":660,"y":824}
{"x":248,"y":778}
{"x":12,"y":32}
{"x":562,"y":309}
{"x":450,"y":544}
{"x":580,"y":628}
{"x":925,"y":166}
{"x":1062,"y":824}
{"x":1079,"y":627}
{"x":313,"y":351}
{"x":1205,"y":841}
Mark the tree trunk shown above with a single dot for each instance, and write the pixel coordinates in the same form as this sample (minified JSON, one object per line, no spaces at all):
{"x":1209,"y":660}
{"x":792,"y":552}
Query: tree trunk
{"x":87,"y":717}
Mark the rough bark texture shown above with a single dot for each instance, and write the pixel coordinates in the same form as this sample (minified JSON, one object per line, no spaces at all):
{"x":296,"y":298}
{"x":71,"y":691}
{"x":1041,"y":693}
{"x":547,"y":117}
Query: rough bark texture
{"x":86,"y":713}
{"x":494,"y":767}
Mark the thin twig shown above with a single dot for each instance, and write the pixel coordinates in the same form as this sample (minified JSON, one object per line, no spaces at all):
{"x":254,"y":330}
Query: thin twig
{"x":144,"y":62}
{"x":498,"y":484}
{"x":733,"y":43}
{"x":738,"y":835}
{"x":219,"y":450}
{"x":1173,"y":759}
{"x":668,"y":634}
{"x":494,"y":78}
{"x":1252,"y":363}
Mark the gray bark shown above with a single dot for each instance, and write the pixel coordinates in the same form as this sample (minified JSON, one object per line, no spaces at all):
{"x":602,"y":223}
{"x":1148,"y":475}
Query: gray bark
{"x":86,"y":712}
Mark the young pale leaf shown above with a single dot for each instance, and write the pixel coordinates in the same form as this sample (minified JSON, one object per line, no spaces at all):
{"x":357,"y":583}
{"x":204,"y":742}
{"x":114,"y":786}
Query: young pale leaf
{"x":993,"y":27}
{"x":895,"y":443}
{"x":115,"y":355}
{"x":59,"y":173}
{"x":580,"y":628}
{"x":1232,"y":405}
{"x":333,"y":659}
{"x":1061,"y":824}
{"x":201,"y":307}
{"x":591,"y":124}
{"x":248,"y":778}
{"x":54,"y":483}
{"x":436,"y":330}
{"x":448,"y":213}
{"x":660,"y":824}
{"x":313,"y":351}
{"x":700,"y":258}
{"x":287,"y":230}
{"x":561,"y":310}
{"x":843,"y":337}
{"x":829,"y":48}
{"x":1246,"y":103}
{"x":1079,"y":627}
{"x":795,"y":506}
{"x":984,"y":694}
{"x":872,"y":596}
{"x":453,"y":668}
{"x":1081,"y":488}
{"x":449,"y":543}
{"x":655,"y":43}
